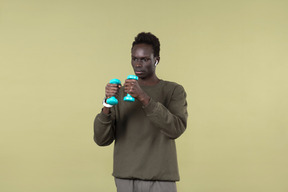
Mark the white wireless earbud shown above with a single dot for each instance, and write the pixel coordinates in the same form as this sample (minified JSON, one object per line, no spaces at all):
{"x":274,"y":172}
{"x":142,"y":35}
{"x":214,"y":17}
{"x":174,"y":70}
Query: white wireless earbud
{"x":156,"y":63}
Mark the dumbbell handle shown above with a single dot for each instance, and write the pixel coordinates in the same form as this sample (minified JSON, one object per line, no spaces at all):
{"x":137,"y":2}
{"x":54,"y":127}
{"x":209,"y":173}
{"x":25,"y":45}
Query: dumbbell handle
{"x":128,"y":97}
{"x":112,"y":100}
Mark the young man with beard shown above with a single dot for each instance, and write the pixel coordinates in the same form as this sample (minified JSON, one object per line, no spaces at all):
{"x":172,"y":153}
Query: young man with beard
{"x":144,"y":131}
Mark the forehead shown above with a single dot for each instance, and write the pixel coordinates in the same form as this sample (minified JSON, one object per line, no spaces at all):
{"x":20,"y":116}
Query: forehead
{"x":142,"y":50}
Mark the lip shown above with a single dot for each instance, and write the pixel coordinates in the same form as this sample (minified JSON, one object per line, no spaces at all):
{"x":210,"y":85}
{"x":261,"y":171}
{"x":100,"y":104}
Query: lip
{"x":139,"y":72}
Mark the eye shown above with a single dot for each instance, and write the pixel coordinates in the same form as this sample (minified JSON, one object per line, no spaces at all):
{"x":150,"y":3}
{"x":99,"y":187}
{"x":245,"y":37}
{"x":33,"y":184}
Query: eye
{"x":145,"y":59}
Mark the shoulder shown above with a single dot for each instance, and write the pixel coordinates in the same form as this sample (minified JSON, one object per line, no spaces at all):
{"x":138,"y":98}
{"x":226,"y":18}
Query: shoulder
{"x":172,"y":85}
{"x":175,"y":95}
{"x":174,"y":89}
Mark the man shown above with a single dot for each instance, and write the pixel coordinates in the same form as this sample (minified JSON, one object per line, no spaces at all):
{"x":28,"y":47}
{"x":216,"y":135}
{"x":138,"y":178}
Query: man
{"x":144,"y":131}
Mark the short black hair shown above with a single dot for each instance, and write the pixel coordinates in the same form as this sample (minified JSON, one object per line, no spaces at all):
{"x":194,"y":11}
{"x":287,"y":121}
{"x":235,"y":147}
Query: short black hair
{"x":150,"y":39}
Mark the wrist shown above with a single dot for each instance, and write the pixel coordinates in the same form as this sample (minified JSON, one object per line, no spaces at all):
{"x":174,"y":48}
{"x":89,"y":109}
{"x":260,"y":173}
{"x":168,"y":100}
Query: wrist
{"x":106,"y":110}
{"x":106,"y":104}
{"x":144,"y":100}
{"x":106,"y":107}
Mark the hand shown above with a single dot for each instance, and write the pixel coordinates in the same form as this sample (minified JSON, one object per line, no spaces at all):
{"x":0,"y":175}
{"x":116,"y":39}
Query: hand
{"x":112,"y":90}
{"x":132,"y":87}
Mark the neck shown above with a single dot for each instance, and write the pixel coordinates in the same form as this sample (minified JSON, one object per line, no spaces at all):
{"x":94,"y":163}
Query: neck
{"x":149,"y":81}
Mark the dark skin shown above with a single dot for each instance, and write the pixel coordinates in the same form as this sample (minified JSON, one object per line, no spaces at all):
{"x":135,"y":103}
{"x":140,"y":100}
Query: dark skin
{"x":143,"y":62}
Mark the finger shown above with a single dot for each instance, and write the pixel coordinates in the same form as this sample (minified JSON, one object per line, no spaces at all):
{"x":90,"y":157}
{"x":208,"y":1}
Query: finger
{"x":109,"y":92}
{"x":130,"y":81}
{"x":112,"y":90}
{"x":126,"y":89}
{"x":128,"y":85}
{"x":129,"y":89}
{"x":113,"y":85}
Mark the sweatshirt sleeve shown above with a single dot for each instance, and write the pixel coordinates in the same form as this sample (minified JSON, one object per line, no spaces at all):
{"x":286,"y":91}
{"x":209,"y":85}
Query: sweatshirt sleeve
{"x":104,"y":129}
{"x":171,"y":120}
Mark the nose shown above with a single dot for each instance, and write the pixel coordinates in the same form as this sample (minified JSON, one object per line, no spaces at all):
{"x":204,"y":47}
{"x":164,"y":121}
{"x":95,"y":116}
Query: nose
{"x":137,"y":63}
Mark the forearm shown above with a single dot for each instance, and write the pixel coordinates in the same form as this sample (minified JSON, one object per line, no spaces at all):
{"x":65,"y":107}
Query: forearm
{"x":103,"y":129}
{"x":106,"y":110}
{"x":172,"y":125}
{"x":144,"y":99}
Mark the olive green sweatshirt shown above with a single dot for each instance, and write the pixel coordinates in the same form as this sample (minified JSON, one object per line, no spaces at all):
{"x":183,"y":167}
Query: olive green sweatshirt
{"x":144,"y":146}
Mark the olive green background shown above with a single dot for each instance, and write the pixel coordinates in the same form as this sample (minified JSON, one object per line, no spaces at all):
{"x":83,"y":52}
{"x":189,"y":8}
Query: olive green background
{"x":57,"y":56}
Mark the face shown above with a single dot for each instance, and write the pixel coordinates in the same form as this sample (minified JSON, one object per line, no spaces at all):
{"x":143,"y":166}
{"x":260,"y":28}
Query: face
{"x":143,"y":60}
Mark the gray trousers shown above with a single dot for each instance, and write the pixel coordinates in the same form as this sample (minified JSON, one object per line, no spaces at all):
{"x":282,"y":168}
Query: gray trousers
{"x":127,"y":185}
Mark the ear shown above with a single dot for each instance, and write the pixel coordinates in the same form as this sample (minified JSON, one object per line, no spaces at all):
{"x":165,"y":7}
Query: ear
{"x":157,"y":61}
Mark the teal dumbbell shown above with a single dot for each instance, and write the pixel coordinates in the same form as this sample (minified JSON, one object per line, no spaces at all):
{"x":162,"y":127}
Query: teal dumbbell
{"x":128,"y":97}
{"x":112,"y":100}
